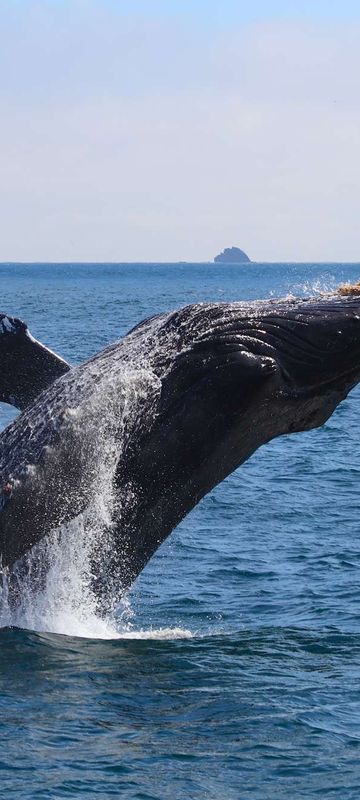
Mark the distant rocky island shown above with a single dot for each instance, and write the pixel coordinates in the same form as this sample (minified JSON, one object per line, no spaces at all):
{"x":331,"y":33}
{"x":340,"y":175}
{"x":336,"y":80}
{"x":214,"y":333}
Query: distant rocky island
{"x":232,"y":255}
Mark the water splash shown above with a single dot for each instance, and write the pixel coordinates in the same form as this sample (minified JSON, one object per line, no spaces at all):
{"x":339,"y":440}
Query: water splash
{"x":63,"y":601}
{"x":328,"y":283}
{"x":160,"y":634}
{"x":51,"y":589}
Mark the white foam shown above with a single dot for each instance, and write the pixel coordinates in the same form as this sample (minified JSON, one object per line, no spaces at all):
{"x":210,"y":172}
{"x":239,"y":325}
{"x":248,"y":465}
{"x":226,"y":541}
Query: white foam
{"x":157,"y":633}
{"x":51,"y":589}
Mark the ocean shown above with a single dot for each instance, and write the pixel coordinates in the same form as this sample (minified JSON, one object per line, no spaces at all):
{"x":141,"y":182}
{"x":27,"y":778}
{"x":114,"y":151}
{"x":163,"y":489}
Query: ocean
{"x":232,"y":668}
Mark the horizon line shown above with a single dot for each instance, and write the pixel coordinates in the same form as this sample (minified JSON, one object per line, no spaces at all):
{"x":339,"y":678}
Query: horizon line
{"x":175,"y":263}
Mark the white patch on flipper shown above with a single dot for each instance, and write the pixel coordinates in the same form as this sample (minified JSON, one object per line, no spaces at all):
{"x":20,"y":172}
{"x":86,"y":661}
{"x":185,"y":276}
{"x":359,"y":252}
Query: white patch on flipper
{"x":48,"y":349}
{"x":7,"y":326}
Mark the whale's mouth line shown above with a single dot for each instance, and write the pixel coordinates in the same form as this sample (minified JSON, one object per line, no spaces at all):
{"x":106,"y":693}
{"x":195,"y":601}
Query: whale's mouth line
{"x":350,"y":377}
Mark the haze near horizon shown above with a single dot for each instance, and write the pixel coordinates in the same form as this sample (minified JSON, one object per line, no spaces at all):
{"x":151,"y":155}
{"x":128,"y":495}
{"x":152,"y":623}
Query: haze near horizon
{"x":144,"y":131}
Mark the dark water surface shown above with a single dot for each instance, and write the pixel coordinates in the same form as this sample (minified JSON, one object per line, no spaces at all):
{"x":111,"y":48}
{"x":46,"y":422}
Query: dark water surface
{"x":234,"y":671}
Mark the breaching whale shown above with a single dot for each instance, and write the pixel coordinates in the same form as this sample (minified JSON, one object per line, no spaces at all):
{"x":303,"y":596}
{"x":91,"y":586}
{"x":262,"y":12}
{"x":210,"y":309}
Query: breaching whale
{"x":166,"y":413}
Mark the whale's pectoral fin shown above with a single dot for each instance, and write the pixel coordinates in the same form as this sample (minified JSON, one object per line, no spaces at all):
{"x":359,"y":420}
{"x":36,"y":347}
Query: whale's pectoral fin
{"x":27,"y":367}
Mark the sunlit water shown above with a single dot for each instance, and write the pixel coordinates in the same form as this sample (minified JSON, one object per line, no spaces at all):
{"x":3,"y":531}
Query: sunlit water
{"x":231,"y":670}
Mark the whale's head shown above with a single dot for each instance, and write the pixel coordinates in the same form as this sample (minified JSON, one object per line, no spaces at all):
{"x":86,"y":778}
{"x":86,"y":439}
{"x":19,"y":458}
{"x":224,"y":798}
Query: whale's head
{"x":233,"y":377}
{"x":300,"y":356}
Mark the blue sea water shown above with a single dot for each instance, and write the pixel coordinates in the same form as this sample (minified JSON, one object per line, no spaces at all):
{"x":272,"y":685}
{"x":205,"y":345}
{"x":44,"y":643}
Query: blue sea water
{"x":234,"y":669}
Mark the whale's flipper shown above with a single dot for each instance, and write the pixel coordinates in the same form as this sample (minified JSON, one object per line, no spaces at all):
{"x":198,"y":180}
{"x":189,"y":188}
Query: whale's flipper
{"x":27,"y":367}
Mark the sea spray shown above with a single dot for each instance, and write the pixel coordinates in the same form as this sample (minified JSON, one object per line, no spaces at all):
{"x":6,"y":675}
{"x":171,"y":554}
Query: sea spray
{"x":52,"y":587}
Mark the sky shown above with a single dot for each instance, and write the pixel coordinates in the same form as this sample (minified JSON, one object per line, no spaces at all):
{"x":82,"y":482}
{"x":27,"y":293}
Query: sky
{"x":166,"y":130}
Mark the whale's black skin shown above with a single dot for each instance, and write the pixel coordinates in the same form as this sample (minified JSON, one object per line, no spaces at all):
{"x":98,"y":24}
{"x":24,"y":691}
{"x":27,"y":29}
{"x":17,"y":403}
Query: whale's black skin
{"x":27,"y":367}
{"x":184,"y":399}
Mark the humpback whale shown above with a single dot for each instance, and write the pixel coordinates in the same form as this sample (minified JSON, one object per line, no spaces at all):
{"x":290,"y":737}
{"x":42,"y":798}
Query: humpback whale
{"x":166,"y":413}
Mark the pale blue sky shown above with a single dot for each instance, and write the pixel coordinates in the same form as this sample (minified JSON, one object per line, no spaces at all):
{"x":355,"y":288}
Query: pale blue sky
{"x":229,"y":10}
{"x":153,"y":129}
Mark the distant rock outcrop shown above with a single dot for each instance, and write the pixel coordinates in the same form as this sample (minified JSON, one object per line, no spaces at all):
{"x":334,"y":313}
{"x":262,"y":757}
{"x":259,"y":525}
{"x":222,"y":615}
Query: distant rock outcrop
{"x":232,"y":255}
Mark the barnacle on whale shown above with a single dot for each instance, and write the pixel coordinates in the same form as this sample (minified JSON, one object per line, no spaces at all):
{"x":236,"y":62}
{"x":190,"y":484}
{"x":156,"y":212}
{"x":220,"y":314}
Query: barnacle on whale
{"x":349,"y":289}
